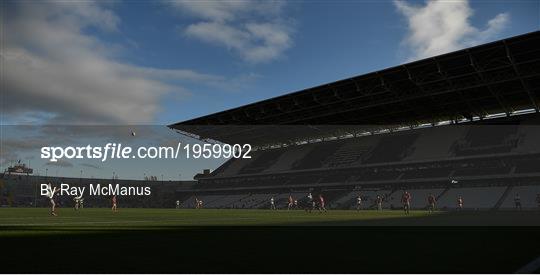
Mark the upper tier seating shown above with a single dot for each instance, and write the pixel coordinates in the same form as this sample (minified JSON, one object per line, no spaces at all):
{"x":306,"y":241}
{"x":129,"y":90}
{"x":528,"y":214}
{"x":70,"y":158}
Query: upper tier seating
{"x":489,"y":135}
{"x":265,"y":160}
{"x":391,"y":148}
{"x":316,"y":157}
{"x":488,"y":139}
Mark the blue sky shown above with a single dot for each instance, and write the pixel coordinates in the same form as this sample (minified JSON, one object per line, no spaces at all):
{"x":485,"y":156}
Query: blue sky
{"x":142,"y":62}
{"x":330,"y":40}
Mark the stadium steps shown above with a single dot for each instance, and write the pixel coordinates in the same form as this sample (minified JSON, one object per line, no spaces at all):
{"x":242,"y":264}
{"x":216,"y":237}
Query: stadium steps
{"x":212,"y":203}
{"x":385,"y":196}
{"x":252,"y":200}
{"x":239,"y":200}
{"x":349,"y":153}
{"x":442,"y":193}
{"x":503,"y":197}
{"x":349,"y":204}
{"x":188,"y":203}
{"x":316,"y":158}
{"x":264,"y":203}
{"x":344,"y":200}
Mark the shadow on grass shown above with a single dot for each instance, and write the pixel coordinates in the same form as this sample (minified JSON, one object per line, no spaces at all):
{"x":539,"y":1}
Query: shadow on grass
{"x":305,"y":248}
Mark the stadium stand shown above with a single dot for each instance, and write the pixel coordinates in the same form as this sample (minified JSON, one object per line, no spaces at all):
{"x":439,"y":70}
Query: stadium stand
{"x":483,"y":176}
{"x":346,"y":201}
{"x":464,"y":123}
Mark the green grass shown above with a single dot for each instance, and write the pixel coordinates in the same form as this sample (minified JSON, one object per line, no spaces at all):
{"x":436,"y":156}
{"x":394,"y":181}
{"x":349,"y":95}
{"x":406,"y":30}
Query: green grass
{"x":254,"y":241}
{"x":143,"y":218}
{"x":24,"y":220}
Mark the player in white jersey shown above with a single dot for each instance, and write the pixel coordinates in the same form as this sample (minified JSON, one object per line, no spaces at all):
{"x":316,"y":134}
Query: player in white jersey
{"x":272,"y":204}
{"x":177,"y":204}
{"x":78,"y":202}
{"x":311,"y":203}
{"x":359,"y":203}
{"x":50,"y":191}
{"x":460,"y":203}
{"x":378,"y":202}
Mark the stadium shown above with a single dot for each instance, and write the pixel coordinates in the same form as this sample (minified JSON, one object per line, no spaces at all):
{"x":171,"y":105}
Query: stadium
{"x":459,"y":125}
{"x":462,"y":124}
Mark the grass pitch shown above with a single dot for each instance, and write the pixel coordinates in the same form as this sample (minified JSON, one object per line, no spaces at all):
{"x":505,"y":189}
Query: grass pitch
{"x":142,"y":218}
{"x":255,"y":241}
{"x":34,"y":220}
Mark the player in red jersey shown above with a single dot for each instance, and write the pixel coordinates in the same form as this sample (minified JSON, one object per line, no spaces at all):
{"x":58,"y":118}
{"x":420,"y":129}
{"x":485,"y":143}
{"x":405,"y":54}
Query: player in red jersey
{"x":114,"y":204}
{"x":406,"y":200}
{"x":321,"y":203}
{"x":291,"y":203}
{"x":431,"y":202}
{"x":198,"y":203}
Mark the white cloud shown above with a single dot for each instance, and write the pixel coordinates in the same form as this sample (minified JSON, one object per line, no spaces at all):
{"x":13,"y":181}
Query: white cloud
{"x":229,"y":10}
{"x":54,"y":72}
{"x":443,"y":26}
{"x":255,"y":30}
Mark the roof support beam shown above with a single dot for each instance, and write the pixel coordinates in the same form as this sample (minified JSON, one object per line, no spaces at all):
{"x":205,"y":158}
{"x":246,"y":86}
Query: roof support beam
{"x":487,"y":84}
{"x":525,"y":86}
